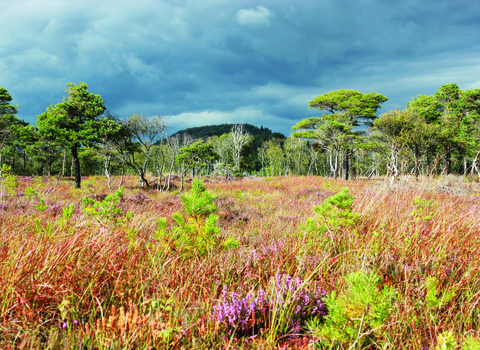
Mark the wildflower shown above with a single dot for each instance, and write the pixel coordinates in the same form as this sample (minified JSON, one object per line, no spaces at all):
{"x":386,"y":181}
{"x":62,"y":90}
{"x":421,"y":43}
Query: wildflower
{"x":249,"y":315}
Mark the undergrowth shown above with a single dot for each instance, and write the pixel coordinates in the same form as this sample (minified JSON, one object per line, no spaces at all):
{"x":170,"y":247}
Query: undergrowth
{"x":287,"y":263}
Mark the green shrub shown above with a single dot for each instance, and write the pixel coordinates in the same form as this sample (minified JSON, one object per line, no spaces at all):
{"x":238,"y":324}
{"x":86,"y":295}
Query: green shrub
{"x":42,"y":206}
{"x":434,"y":298}
{"x":357,"y":315}
{"x":30,"y":193}
{"x":470,"y":343}
{"x":333,"y":214}
{"x":446,"y":341}
{"x":105,"y":210}
{"x":423,"y":209}
{"x":7,"y":181}
{"x":197,"y":231}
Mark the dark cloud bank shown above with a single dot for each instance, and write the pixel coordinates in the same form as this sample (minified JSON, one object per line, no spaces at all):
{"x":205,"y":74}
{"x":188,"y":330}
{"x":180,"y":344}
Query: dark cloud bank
{"x":210,"y":62}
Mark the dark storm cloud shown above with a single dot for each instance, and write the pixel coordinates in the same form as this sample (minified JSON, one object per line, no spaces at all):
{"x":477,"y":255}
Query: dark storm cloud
{"x":243,"y":61}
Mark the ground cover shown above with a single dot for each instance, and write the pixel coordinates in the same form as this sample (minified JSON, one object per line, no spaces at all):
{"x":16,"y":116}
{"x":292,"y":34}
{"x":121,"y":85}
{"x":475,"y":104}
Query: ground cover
{"x":262,"y":263}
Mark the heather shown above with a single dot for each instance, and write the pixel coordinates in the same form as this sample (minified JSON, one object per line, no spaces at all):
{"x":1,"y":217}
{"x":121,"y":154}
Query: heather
{"x":256,"y":263}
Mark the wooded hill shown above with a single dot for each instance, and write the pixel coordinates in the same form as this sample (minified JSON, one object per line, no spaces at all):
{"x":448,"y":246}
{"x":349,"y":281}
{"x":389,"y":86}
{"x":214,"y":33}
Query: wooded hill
{"x":260,"y":135}
{"x":204,"y":132}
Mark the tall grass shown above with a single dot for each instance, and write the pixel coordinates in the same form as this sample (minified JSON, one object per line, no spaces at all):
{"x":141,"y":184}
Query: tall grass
{"x":81,"y":282}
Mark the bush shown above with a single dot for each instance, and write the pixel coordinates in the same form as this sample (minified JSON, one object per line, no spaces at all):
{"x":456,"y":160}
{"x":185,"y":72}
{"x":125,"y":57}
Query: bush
{"x":196,"y":232}
{"x":358,"y":314}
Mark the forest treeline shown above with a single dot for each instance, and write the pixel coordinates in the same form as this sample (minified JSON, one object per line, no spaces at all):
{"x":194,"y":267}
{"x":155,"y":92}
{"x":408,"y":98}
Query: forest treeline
{"x":434,"y":134}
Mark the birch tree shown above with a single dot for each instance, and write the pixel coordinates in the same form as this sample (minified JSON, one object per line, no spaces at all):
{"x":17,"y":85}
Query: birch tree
{"x":240,"y":138}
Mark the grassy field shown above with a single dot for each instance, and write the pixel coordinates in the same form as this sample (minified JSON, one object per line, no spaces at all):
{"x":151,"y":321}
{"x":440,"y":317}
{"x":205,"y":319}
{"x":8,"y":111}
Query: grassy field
{"x":261,"y":263}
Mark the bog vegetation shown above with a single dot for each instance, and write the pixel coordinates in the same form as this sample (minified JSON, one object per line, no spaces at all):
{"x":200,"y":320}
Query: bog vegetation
{"x":258,"y":263}
{"x":178,"y":246}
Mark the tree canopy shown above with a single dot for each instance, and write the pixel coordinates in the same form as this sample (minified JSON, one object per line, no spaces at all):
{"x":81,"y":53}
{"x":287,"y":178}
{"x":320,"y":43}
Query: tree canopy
{"x":335,"y":132}
{"x":7,"y":120}
{"x":455,"y":112}
{"x":358,"y":106}
{"x":73,"y":122}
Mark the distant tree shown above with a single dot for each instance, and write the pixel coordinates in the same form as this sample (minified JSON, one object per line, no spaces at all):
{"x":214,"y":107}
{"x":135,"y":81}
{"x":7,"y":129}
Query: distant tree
{"x":174,"y":149}
{"x":419,"y":138}
{"x":196,"y":154}
{"x":391,"y":128}
{"x":455,"y":112}
{"x":334,"y":133}
{"x":475,"y":147}
{"x":73,"y":122}
{"x":223,"y":147}
{"x":275,"y":157}
{"x":350,"y":108}
{"x":240,"y":139}
{"x":109,"y":134}
{"x":262,"y":156}
{"x":296,"y":155}
{"x":205,"y":132}
{"x":7,"y":120}
{"x":145,"y":132}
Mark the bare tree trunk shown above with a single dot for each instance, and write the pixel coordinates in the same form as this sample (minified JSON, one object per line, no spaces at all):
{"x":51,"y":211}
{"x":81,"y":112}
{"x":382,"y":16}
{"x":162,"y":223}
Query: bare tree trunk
{"x":24,"y":161}
{"x":64,"y":160}
{"x":121,"y":176}
{"x":346,"y":165}
{"x":76,"y":161}
{"x":334,"y":165}
{"x":108,"y":160}
{"x":417,"y":167}
{"x":394,"y":168}
{"x":448,"y":161}
{"x":161,"y":172}
{"x":56,"y":183}
{"x":181,"y":182}
{"x":474,"y":165}
{"x":310,"y":166}
{"x":170,"y":173}
{"x":143,"y":179}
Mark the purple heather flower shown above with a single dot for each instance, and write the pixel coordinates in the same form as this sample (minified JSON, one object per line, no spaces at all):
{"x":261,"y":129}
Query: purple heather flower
{"x":249,"y":315}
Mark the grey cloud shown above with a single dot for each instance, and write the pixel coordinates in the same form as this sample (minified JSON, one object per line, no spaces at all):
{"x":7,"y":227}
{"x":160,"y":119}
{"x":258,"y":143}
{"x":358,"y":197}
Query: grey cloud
{"x":234,"y":59}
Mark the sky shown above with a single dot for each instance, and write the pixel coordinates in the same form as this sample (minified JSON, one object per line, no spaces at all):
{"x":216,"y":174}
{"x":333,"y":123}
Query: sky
{"x":205,"y":62}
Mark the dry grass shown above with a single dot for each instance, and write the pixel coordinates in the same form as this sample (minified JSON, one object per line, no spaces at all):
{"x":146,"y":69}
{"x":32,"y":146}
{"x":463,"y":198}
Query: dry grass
{"x":99,"y":284}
